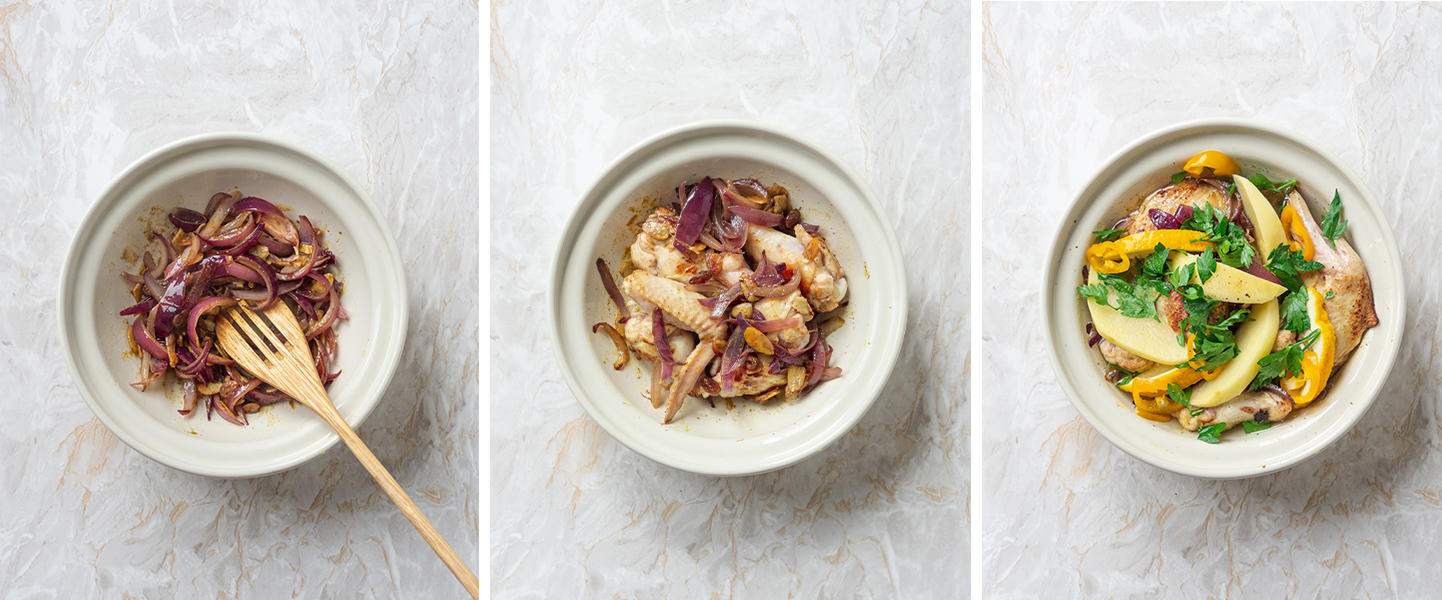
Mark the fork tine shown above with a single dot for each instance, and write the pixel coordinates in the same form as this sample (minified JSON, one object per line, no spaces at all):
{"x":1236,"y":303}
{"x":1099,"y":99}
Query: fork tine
{"x":240,"y":331}
{"x":260,"y":333}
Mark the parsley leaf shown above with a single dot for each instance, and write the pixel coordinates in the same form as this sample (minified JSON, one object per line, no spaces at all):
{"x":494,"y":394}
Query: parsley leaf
{"x":1253,"y":426}
{"x":1283,"y":363}
{"x":1230,"y":241}
{"x":1182,"y":276}
{"x":1209,"y":433}
{"x":1288,"y":265}
{"x":1332,"y":223}
{"x":1096,"y":291}
{"x":1267,"y":185}
{"x":1294,"y":312}
{"x":1157,"y":262}
{"x":1330,"y":295}
{"x":1107,"y":235}
{"x":1178,"y":177}
{"x":1182,"y":397}
{"x":1206,"y":264}
{"x":1138,"y":302}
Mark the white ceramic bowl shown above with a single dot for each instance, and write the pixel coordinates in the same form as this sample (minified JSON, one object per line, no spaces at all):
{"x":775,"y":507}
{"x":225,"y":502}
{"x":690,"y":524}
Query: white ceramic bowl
{"x":1118,"y":187}
{"x":750,"y":438}
{"x":187,"y":173}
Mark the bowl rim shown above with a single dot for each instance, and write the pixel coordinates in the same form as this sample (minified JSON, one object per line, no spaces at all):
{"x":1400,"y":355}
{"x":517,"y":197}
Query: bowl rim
{"x":355,"y":413}
{"x":890,"y":349}
{"x":1310,"y":447}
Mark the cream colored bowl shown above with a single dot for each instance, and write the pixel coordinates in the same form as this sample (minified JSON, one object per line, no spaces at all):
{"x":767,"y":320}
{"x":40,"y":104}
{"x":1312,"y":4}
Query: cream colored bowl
{"x":1119,"y":186}
{"x":749,"y":438}
{"x":187,"y":173}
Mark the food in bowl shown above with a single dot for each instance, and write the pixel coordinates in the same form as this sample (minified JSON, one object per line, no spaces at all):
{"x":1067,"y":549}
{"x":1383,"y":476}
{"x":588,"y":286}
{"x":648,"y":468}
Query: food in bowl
{"x":728,"y":294}
{"x":1216,"y":308}
{"x":240,"y":251}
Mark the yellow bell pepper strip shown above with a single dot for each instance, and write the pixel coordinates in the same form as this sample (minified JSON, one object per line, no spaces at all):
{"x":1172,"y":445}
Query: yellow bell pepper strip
{"x":1220,"y":164}
{"x":1192,"y":351}
{"x":1316,"y":366}
{"x":1301,"y":240}
{"x":1116,"y":256}
{"x":1156,"y":386}
{"x":1158,"y":405}
{"x":1153,"y":416}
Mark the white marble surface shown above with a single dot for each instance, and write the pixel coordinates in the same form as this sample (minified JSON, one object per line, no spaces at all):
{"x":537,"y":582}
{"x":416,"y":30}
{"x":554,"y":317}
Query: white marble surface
{"x":883,"y":512}
{"x":390,"y":92}
{"x":1068,"y":515}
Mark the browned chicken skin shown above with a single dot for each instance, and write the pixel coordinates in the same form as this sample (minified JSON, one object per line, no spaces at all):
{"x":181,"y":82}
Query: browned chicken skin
{"x":1351,"y":308}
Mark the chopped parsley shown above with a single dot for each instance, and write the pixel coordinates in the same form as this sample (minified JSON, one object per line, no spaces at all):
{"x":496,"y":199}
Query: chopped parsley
{"x":1330,"y":295}
{"x":1182,"y":397}
{"x":1283,"y":363}
{"x":1178,"y":177}
{"x":1253,"y":426}
{"x":1288,"y":265}
{"x":1230,"y":241}
{"x":1209,"y":433}
{"x":1206,"y":264}
{"x":1214,"y":344}
{"x":1294,"y":312}
{"x":1333,"y":225}
{"x":1136,"y":301}
{"x":1155,"y":264}
{"x":1267,"y":185}
{"x":1107,"y":235}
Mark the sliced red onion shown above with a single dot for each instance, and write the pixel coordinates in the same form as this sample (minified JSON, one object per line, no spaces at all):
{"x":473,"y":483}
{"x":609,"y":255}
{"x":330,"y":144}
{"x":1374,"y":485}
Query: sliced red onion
{"x":253,"y":204}
{"x":307,"y":236}
{"x":187,"y":220}
{"x":243,"y":245}
{"x":784,"y":355}
{"x":1165,"y":220}
{"x":234,"y":232}
{"x":143,"y":307}
{"x":169,"y":307}
{"x":281,"y":228}
{"x":720,"y":304}
{"x":1260,"y":270}
{"x":750,"y":187}
{"x":272,"y":287}
{"x":734,"y":357}
{"x":190,"y":256}
{"x":243,"y":272}
{"x":758,"y":217}
{"x":777,"y":291}
{"x":226,"y":414}
{"x":276,"y":247}
{"x":265,"y":398}
{"x":818,"y":362}
{"x":767,"y":273}
{"x":663,"y":346}
{"x":202,"y":307}
{"x":693,"y":214}
{"x":831,"y":373}
{"x":776,"y":324}
{"x":152,"y":285}
{"x":610,"y":284}
{"x":1092,"y":336}
{"x":218,"y":214}
{"x":147,"y":342}
{"x":188,"y":393}
{"x":329,"y":318}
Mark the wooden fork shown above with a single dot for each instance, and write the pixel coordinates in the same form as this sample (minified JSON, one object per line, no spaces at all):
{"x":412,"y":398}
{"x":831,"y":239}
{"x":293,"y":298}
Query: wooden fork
{"x":271,"y":345}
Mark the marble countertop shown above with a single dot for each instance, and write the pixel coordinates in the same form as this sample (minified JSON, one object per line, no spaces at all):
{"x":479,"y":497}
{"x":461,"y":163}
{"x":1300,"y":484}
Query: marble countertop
{"x":390,"y":93}
{"x":884,"y":511}
{"x":1065,"y":513}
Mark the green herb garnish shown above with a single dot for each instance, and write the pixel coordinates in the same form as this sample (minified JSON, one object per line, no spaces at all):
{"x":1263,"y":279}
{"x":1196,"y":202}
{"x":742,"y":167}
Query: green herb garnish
{"x":1206,"y":264}
{"x":1253,"y":426}
{"x":1266,"y":185}
{"x":1330,"y":295}
{"x":1230,"y":241}
{"x":1283,"y":363}
{"x":1177,"y":178}
{"x":1209,"y":433}
{"x":1333,"y":225}
{"x":1182,"y":397}
{"x":1288,"y":265}
{"x":1294,"y":312}
{"x":1107,"y":235}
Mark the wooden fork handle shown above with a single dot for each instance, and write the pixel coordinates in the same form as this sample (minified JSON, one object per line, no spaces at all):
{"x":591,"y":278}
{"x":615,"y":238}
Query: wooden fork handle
{"x":327,"y":411}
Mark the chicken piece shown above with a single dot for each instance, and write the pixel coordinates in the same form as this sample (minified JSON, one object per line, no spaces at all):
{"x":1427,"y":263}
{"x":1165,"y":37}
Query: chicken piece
{"x":1351,"y":308}
{"x":682,"y":308}
{"x":1188,"y":192}
{"x":753,"y":382}
{"x":1262,"y":406}
{"x":654,"y":250}
{"x":823,"y":281}
{"x":731,"y":269}
{"x":640,"y":334}
{"x":1121,"y":358}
